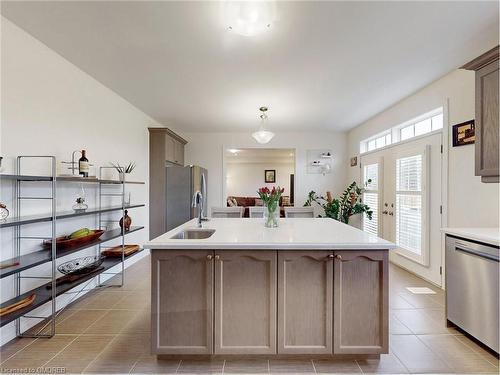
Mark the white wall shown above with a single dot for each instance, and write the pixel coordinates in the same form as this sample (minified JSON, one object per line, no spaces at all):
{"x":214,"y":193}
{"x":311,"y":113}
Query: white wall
{"x":470,"y":202}
{"x":244,"y":179}
{"x":50,"y":107}
{"x":206,"y":150}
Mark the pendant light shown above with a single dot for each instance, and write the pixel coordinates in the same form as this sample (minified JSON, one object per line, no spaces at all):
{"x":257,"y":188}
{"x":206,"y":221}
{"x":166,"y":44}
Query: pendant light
{"x":263,"y":136}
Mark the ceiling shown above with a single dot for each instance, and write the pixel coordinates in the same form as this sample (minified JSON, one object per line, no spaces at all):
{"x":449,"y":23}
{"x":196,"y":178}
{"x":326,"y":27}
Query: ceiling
{"x":322,"y":65}
{"x":260,"y":155}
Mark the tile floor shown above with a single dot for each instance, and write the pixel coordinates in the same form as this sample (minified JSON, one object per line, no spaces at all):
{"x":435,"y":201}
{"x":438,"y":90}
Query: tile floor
{"x":108,"y":332}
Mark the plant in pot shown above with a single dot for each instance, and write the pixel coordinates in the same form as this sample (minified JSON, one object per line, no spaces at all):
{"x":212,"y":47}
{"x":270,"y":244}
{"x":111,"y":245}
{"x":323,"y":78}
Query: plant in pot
{"x":122,"y":170}
{"x":348,"y":204}
{"x":271,"y":199}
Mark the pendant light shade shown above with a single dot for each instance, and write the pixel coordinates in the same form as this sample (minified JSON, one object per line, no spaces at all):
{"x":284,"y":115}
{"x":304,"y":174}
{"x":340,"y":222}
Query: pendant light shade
{"x":263,"y":136}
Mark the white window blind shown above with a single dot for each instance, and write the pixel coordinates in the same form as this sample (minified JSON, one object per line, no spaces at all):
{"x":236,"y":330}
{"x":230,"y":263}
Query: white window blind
{"x":409,"y":209}
{"x":371,"y":197}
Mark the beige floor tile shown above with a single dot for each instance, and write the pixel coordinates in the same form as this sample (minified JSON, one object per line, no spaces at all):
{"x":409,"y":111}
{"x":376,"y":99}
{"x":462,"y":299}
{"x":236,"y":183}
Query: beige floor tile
{"x":416,"y":356}
{"x":133,"y":345}
{"x":459,"y":357}
{"x":79,"y":322}
{"x":398,"y":302}
{"x":112,"y":322}
{"x":246,"y":366}
{"x":486,"y":354}
{"x":420,"y":300}
{"x":149,"y":364}
{"x":110,"y":366}
{"x":285,"y":366}
{"x":201,"y":367}
{"x":12,"y":347}
{"x":418,"y":322}
{"x":332,"y":366}
{"x":134,"y":301}
{"x":84,"y":348}
{"x":141,"y":323}
{"x":396,"y":327}
{"x":387,"y":364}
{"x":101,"y":299}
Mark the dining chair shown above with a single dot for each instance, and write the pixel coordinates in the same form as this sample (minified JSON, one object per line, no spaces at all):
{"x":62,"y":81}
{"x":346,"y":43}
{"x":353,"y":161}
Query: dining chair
{"x":256,"y":211}
{"x":302,"y":212}
{"x":227,"y":212}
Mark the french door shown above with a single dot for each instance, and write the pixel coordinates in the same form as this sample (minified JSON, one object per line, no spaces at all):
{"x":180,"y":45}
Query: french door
{"x":403,"y":188}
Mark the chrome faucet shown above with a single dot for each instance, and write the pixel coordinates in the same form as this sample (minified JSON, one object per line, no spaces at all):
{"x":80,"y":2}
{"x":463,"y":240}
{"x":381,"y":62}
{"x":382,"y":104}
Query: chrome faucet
{"x":198,"y":202}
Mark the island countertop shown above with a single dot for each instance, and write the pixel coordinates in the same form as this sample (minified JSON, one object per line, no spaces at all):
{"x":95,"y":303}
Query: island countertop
{"x":292,"y":234}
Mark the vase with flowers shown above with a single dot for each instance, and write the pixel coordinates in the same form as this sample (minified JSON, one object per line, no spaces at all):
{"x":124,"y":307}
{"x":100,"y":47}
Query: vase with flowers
{"x":271,"y":199}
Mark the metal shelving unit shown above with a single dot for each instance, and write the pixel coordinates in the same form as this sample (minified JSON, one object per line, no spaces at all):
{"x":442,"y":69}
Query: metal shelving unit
{"x":50,"y":290}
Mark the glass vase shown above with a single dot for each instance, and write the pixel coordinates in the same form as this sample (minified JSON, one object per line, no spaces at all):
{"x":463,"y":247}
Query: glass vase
{"x":271,"y":217}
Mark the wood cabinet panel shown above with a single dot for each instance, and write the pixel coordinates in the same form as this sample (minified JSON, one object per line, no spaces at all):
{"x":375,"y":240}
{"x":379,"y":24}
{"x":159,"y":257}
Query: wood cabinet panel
{"x":179,"y":153}
{"x":360,"y":302}
{"x":487,"y":124}
{"x":305,"y":292}
{"x":182,"y":302}
{"x":169,"y":148}
{"x":245,"y":302}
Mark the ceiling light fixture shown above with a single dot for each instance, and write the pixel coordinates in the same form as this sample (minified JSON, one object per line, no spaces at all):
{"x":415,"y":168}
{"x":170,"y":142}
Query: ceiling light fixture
{"x":249,"y":18}
{"x":263,"y":136}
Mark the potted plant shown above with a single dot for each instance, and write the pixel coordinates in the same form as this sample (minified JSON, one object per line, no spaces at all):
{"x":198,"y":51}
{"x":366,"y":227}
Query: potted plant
{"x":271,"y":200}
{"x":348,"y":204}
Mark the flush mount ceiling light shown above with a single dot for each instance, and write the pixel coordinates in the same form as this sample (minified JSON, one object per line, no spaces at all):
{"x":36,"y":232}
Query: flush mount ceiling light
{"x":263,"y":136}
{"x":249,"y":18}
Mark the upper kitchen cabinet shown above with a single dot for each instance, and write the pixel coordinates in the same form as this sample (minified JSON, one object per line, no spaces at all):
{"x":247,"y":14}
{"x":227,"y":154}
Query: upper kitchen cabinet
{"x":487,"y":128}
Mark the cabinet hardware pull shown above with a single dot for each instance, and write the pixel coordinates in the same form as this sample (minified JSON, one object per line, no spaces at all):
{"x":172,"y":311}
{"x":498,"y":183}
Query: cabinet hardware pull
{"x":217,"y":257}
{"x":338,"y":256}
{"x":209,"y":257}
{"x":385,"y":212}
{"x":331,"y":256}
{"x":391,"y":213}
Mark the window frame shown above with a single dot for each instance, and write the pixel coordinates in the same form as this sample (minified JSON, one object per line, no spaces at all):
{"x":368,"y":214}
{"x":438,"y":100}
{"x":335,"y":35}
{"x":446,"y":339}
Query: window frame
{"x":395,"y":131}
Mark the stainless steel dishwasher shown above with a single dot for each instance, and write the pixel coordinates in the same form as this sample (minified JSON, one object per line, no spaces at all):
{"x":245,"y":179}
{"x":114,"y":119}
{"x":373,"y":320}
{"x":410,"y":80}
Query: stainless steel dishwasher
{"x":472,"y":288}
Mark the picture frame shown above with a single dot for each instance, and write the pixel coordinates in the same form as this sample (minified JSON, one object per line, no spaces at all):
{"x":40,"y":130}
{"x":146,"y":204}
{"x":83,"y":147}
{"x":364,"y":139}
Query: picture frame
{"x":354,"y":161}
{"x":270,"y":176}
{"x":464,"y":133}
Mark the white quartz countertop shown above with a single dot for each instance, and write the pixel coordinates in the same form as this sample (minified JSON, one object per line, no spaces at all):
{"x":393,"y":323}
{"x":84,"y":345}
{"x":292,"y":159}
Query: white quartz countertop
{"x":487,"y":235}
{"x":292,"y":234}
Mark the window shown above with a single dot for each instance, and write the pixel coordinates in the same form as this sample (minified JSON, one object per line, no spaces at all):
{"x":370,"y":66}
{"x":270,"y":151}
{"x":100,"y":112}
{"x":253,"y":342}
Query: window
{"x":409,"y":204}
{"x":421,"y":125}
{"x":376,"y":142}
{"x":370,"y":197}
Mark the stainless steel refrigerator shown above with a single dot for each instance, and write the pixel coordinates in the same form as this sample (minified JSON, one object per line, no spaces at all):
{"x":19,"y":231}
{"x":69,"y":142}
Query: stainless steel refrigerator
{"x":181,"y":184}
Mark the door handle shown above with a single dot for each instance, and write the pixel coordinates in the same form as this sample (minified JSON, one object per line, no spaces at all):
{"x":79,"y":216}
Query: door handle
{"x":385,"y":212}
{"x":391,"y":213}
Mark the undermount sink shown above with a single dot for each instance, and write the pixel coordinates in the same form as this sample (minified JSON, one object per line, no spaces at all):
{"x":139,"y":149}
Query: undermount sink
{"x":193,"y":234}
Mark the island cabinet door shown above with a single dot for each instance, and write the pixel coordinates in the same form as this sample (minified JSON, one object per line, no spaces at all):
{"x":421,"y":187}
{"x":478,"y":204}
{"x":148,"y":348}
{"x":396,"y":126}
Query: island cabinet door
{"x":245,"y":302}
{"x":182,"y":302}
{"x":305,"y":294}
{"x":360,"y":307}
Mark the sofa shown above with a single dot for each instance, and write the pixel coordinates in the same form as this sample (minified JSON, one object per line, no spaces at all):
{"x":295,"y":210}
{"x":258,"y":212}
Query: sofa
{"x":254,"y":201}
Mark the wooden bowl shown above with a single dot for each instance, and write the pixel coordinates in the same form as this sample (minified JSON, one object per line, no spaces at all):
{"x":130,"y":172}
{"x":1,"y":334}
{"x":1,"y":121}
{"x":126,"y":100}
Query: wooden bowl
{"x":64,"y":242}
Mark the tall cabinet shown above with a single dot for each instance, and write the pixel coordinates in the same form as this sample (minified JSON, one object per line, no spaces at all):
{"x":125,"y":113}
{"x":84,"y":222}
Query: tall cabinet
{"x":165,"y":147}
{"x":487,"y":126}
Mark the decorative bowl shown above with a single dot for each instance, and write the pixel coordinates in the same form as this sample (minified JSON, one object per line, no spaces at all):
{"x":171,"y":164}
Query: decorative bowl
{"x":81,"y":266}
{"x":64,"y":242}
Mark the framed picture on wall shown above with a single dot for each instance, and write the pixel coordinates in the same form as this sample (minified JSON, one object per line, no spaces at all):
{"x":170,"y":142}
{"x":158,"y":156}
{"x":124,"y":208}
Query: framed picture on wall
{"x":270,"y":176}
{"x":464,"y":133}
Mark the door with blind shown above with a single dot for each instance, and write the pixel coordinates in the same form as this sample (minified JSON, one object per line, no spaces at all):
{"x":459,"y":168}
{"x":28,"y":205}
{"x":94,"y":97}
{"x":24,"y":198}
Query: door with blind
{"x":407,"y":195}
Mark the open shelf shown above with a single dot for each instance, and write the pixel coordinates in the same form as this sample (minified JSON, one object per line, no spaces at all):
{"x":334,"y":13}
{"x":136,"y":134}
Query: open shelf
{"x":44,"y":294}
{"x":44,"y":255}
{"x":65,"y":179}
{"x":13,"y":221}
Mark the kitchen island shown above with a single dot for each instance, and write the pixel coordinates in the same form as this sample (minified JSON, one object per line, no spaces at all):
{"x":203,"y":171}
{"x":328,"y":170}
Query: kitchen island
{"x":309,"y":287}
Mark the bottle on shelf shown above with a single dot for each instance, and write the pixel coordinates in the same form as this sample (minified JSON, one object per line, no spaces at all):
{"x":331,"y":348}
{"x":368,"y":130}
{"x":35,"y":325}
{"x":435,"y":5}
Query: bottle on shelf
{"x":83,"y":165}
